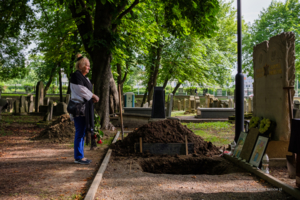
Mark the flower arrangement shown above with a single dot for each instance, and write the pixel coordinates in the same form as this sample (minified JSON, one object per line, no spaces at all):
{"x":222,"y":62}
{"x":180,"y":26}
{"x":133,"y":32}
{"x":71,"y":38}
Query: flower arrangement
{"x":264,"y":125}
{"x":254,"y":122}
{"x":98,"y":133}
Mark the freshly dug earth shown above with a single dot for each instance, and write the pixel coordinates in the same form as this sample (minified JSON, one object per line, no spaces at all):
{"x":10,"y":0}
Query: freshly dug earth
{"x":166,"y":131}
{"x":61,"y":130}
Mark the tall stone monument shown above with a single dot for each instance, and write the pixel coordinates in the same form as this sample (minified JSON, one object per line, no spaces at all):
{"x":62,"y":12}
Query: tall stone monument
{"x":274,"y":70}
{"x":39,"y":95}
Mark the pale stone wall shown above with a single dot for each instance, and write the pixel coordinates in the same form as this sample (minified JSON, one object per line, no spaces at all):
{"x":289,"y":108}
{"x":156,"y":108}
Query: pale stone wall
{"x":274,"y":68}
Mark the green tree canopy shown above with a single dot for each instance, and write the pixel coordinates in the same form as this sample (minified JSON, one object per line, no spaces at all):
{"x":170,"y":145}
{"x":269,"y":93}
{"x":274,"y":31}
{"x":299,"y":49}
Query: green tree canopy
{"x":277,"y":18}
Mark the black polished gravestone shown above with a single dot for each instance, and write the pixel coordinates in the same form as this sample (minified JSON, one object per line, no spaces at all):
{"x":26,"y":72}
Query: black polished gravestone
{"x":158,"y":107}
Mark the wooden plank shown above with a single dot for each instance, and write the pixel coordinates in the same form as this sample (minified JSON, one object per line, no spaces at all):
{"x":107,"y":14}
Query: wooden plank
{"x":186,"y":146}
{"x":165,"y":148}
{"x":96,"y":182}
{"x":141,"y":145}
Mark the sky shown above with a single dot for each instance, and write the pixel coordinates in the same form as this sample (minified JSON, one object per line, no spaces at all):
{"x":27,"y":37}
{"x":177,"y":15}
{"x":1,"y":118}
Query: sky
{"x":251,"y":8}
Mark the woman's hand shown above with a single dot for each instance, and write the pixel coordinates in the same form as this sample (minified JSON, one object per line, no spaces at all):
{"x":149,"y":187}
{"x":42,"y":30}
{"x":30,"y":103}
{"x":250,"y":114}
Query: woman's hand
{"x":95,"y":98}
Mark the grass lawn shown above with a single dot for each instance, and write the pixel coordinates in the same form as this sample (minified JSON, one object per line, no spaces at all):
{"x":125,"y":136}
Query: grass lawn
{"x":219,"y":133}
{"x":180,"y":113}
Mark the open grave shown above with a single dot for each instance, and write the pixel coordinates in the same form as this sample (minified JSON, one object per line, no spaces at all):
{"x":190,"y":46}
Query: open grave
{"x":203,"y":158}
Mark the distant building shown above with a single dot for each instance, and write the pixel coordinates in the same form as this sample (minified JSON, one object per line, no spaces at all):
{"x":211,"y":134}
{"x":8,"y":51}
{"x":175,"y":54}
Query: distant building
{"x":248,"y":85}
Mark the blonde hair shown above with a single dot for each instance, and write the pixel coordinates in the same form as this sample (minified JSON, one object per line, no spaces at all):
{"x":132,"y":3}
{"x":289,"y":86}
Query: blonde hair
{"x":80,"y":63}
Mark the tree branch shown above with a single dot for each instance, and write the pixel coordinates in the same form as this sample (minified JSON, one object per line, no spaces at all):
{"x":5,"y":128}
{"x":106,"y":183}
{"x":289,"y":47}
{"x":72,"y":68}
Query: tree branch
{"x":114,"y":27}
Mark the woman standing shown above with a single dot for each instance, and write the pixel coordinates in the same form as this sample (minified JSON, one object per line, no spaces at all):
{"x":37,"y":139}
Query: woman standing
{"x":81,"y":92}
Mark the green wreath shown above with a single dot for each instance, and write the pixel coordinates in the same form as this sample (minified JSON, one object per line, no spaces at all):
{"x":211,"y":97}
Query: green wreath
{"x":253,"y":122}
{"x":264,"y":125}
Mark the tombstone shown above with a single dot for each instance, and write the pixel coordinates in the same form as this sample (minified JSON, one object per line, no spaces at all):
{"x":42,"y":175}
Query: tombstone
{"x":179,"y":105}
{"x":207,"y":100}
{"x":22,"y":104}
{"x":39,"y":95}
{"x":158,"y":108}
{"x":192,"y":103}
{"x":274,"y":69}
{"x":17,"y":107}
{"x":30,"y":103}
{"x":170,"y":105}
{"x":219,"y":92}
{"x":3,"y":105}
{"x":215,"y":103}
{"x":46,"y":101}
{"x":185,"y":101}
{"x":60,"y":109}
{"x":198,"y":111}
{"x":10,"y":106}
{"x":197,"y":103}
{"x":49,"y":114}
{"x":249,"y":101}
{"x":68,"y":96}
{"x":26,"y":106}
{"x":150,"y":104}
{"x":296,"y":104}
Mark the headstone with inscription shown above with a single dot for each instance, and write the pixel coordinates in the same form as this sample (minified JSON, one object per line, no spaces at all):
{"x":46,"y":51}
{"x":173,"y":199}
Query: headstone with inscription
{"x":39,"y":95}
{"x":274,"y":71}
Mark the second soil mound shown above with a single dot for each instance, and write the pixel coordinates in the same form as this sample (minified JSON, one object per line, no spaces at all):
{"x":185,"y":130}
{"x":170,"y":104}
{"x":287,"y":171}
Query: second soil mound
{"x":166,"y":131}
{"x":60,"y":130}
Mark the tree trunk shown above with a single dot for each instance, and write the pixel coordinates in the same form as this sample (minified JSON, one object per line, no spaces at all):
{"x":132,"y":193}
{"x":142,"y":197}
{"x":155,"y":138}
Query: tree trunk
{"x":175,"y":89}
{"x":50,"y":80}
{"x":114,"y":93}
{"x":60,"y":85}
{"x":165,"y":83}
{"x":144,"y":97}
{"x":153,"y":77}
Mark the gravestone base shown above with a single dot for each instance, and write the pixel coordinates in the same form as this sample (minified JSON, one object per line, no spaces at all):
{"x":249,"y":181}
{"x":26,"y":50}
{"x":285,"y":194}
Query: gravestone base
{"x":278,"y":149}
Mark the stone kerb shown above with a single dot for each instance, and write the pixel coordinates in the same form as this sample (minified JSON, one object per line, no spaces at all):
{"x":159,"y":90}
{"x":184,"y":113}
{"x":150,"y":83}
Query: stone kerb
{"x":274,"y":68}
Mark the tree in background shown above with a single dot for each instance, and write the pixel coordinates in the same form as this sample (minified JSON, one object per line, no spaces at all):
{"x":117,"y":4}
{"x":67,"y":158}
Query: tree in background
{"x":277,"y":18}
{"x":16,"y":18}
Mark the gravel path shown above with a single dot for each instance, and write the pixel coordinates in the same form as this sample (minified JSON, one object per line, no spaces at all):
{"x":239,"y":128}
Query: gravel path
{"x":124,"y":179}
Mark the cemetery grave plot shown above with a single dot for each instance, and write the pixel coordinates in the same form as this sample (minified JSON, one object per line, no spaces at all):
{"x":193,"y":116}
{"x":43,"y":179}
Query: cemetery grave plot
{"x":203,"y":154}
{"x":201,"y":175}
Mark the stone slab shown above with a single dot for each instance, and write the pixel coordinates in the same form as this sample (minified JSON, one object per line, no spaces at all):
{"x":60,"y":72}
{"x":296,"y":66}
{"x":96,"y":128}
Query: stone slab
{"x":216,"y":112}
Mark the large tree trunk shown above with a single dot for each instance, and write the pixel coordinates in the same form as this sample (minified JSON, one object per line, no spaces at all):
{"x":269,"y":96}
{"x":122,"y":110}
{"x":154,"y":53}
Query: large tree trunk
{"x":120,"y":79}
{"x":144,"y":97}
{"x":50,"y":80}
{"x":60,"y":85}
{"x":114,"y":93}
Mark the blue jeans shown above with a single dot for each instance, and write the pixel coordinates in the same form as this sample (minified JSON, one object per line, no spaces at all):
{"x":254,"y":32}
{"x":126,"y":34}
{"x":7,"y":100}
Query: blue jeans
{"x":79,"y":137}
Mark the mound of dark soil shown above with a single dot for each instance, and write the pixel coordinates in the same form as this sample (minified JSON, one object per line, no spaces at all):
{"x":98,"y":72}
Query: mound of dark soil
{"x":60,"y":130}
{"x":166,"y":131}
